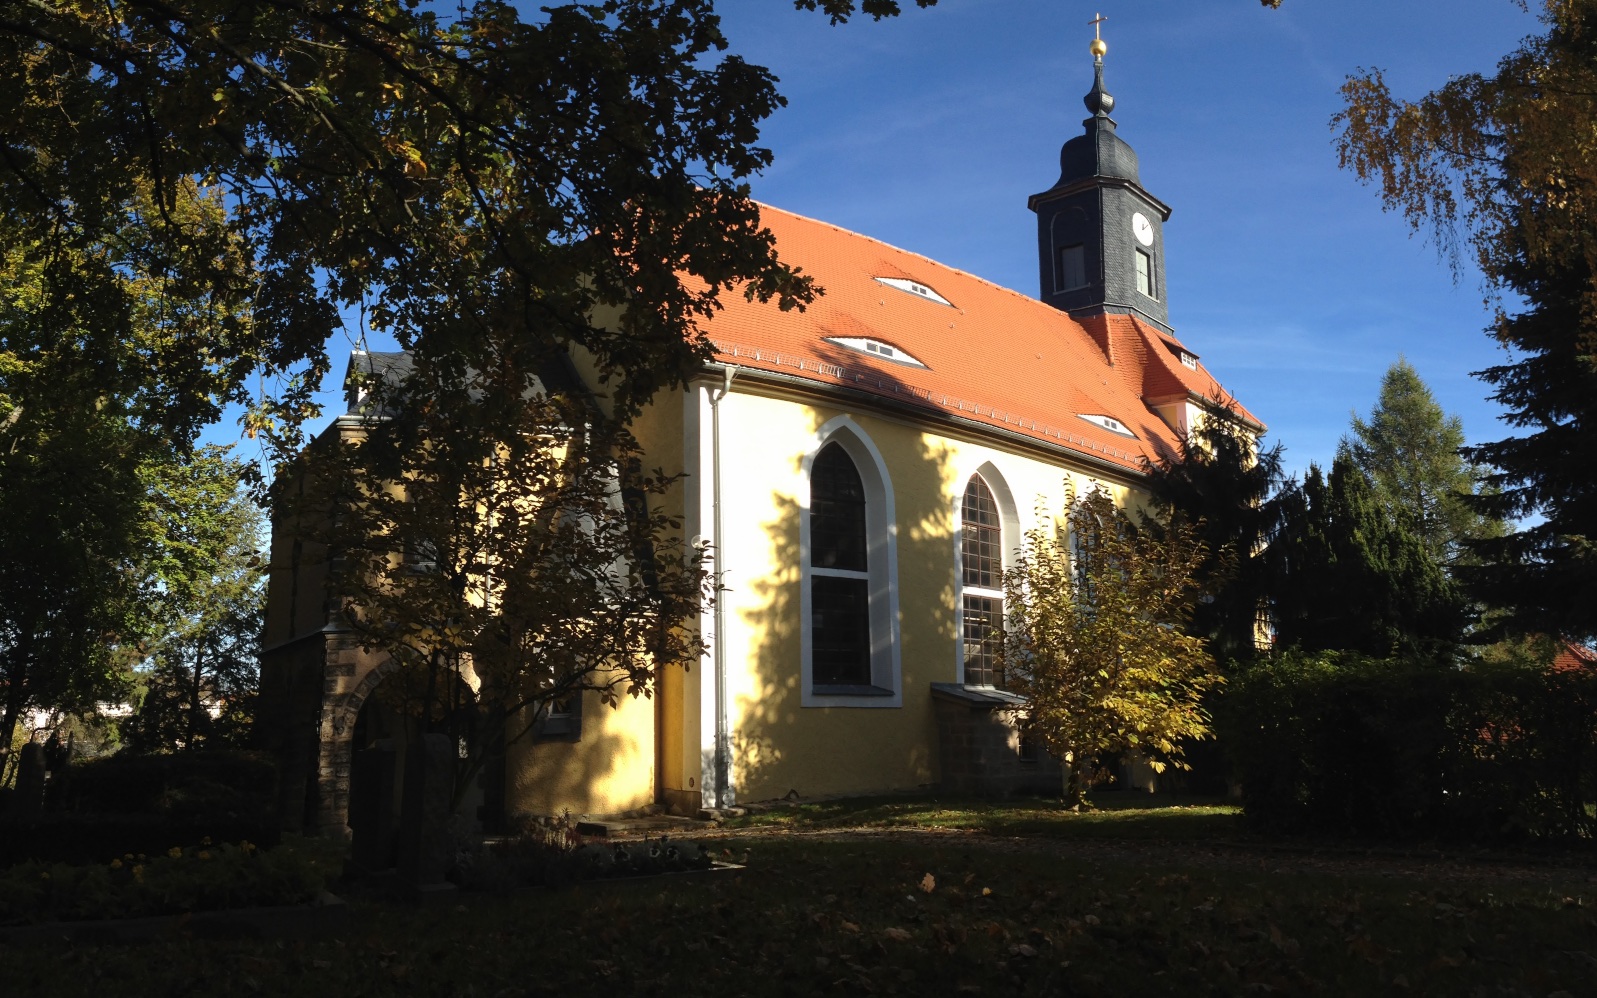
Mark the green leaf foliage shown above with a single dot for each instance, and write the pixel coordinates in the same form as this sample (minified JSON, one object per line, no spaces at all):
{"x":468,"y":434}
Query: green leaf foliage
{"x":198,"y":191}
{"x":1228,"y":488}
{"x":106,"y":373}
{"x":208,"y":580}
{"x":1351,"y":574}
{"x":1410,"y":450}
{"x":1095,"y":639}
{"x":1337,"y":743}
{"x":569,"y":180}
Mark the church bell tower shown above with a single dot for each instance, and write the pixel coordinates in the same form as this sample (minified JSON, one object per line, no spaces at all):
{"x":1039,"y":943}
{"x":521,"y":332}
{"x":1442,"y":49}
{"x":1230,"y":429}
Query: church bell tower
{"x":1100,"y":236}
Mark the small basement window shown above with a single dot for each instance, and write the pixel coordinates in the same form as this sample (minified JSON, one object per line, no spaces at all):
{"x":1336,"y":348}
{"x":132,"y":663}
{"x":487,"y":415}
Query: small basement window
{"x":876,"y":348}
{"x":915,"y":288}
{"x":1109,"y":423}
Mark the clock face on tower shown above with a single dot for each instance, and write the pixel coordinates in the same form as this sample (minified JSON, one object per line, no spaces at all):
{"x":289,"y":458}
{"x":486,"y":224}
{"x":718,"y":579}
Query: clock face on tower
{"x":1142,"y":228}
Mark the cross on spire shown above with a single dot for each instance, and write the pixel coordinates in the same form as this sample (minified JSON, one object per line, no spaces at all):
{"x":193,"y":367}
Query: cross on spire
{"x":1099,"y":46}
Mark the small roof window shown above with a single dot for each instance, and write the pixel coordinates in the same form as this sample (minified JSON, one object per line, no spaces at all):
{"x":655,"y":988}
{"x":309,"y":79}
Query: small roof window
{"x":1109,"y":423}
{"x":1187,"y":359}
{"x":915,"y":288}
{"x":876,"y":348}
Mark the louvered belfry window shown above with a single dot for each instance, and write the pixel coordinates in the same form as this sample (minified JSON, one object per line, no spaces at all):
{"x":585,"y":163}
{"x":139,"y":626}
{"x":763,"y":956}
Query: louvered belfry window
{"x":840,"y":619}
{"x":982,"y":572}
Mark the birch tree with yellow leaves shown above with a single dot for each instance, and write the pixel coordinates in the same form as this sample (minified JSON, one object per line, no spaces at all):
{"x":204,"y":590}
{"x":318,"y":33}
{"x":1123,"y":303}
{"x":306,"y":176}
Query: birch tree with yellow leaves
{"x":1095,"y":640}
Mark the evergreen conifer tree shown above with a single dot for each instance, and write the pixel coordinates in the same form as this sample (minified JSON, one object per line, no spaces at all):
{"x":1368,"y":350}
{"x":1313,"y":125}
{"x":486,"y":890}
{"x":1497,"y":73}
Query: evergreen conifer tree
{"x":1227,"y":487}
{"x":1410,"y":450}
{"x":1350,"y":574}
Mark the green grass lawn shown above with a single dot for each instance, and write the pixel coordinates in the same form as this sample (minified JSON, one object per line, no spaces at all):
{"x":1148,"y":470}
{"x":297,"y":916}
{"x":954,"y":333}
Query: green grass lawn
{"x":1122,"y":815}
{"x":904,"y":912}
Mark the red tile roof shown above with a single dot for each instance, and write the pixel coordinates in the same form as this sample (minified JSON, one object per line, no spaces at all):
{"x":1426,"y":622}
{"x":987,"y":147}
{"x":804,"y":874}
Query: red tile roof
{"x":995,"y":356}
{"x":1572,"y":657}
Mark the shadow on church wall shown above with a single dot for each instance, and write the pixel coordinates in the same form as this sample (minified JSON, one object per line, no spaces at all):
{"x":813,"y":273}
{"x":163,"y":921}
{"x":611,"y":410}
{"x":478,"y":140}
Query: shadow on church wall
{"x":783,"y":747}
{"x":609,"y":770}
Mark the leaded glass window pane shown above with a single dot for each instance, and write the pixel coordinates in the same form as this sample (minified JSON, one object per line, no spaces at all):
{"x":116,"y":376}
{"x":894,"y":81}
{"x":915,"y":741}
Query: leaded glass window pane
{"x":837,"y":512}
{"x":981,"y":544}
{"x":983,"y":623}
{"x":840,"y":634}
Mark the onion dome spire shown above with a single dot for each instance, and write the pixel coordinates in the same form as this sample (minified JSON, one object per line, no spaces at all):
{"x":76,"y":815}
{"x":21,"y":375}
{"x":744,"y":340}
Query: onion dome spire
{"x":1098,"y":101}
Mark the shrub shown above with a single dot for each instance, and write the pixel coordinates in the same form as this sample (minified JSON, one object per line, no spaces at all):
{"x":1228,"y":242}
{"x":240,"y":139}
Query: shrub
{"x":106,"y":808}
{"x":194,"y":782}
{"x":1345,"y":744}
{"x":93,"y":838}
{"x":201,"y":878}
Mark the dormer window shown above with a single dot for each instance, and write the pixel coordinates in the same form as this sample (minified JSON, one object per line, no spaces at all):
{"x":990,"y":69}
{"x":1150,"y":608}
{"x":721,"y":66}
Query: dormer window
{"x":915,"y":288}
{"x":1188,"y":359}
{"x":876,"y":348}
{"x":1109,"y":423}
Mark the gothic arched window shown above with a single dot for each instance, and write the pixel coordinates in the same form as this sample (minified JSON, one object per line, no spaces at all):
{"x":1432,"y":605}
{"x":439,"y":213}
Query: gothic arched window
{"x":840,"y":581}
{"x":981,"y":550}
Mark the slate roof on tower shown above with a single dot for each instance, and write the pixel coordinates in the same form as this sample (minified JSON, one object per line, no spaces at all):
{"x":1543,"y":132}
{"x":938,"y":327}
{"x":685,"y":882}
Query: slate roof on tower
{"x":989,"y":354}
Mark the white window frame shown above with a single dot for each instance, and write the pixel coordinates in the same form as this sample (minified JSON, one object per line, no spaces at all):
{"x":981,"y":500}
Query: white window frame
{"x":881,"y":537}
{"x":1009,"y":542}
{"x":1152,"y":290}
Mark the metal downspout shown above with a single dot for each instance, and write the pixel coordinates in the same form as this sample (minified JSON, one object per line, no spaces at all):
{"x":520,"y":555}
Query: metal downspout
{"x":722,"y":749}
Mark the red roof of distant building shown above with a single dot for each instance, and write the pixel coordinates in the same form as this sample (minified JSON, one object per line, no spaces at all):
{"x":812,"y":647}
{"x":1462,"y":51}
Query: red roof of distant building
{"x":1572,"y":656}
{"x":990,"y":354}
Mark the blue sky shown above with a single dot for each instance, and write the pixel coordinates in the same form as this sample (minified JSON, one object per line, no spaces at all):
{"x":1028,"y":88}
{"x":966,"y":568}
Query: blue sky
{"x":930,"y":130}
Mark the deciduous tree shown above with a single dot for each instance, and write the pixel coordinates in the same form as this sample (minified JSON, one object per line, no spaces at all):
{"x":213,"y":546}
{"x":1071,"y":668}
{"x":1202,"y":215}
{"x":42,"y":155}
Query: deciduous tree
{"x":475,"y":185}
{"x":207,"y":580}
{"x":1096,"y":639}
{"x":103,"y":378}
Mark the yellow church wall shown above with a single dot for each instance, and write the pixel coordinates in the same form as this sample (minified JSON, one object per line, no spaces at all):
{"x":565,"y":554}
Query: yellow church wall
{"x":778,"y":744}
{"x":660,"y":432}
{"x":610,"y":769}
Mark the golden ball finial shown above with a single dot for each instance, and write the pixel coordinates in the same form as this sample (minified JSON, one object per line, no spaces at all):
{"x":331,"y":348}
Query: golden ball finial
{"x":1099,"y":47}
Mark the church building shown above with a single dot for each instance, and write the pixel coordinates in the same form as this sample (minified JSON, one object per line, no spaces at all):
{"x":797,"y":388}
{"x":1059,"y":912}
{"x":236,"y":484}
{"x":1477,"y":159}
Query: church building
{"x":864,"y":471}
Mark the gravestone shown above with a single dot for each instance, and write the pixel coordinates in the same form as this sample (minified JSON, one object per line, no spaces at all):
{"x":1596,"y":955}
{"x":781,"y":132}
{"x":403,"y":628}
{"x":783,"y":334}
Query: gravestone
{"x":371,"y":807}
{"x":29,"y":797}
{"x":426,"y":848}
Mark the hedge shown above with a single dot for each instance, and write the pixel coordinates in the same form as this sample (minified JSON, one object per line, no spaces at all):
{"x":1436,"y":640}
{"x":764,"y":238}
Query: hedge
{"x":1355,"y":746}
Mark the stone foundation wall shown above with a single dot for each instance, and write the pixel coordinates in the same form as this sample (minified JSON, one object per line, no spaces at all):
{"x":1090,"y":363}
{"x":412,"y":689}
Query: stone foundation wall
{"x":979,"y":749}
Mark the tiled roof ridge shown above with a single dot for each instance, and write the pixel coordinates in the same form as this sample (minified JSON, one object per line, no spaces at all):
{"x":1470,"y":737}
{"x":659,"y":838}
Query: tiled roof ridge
{"x":949,"y":403}
{"x":923,"y":257}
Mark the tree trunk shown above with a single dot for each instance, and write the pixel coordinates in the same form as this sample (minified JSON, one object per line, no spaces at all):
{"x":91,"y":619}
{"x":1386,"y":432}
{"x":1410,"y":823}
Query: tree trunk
{"x":16,"y":690}
{"x":194,"y":701}
{"x":1074,"y":793}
